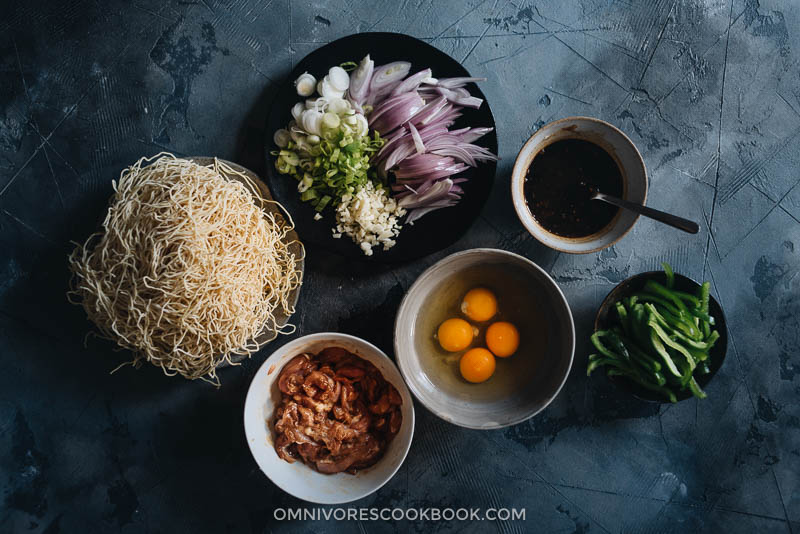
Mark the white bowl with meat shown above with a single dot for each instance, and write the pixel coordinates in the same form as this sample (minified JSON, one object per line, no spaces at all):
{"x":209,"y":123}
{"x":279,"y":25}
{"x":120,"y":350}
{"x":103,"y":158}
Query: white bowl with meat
{"x":328,"y":418}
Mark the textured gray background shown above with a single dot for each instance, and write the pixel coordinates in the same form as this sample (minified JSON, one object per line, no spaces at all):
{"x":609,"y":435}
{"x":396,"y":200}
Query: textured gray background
{"x":708,"y":89}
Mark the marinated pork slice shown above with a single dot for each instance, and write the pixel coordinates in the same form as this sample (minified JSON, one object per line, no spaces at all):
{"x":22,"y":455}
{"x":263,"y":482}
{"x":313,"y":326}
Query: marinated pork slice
{"x":337,"y":413}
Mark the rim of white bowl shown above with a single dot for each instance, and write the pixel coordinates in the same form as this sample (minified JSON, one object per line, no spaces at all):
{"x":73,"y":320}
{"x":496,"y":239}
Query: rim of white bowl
{"x":404,"y":371}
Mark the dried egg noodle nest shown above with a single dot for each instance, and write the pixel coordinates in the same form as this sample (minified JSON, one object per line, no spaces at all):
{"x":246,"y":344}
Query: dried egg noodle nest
{"x":188,"y":269}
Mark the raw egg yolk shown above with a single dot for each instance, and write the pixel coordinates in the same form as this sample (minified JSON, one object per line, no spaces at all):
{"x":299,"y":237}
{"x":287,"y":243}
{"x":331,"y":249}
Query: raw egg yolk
{"x":479,"y":304}
{"x":477,"y":365}
{"x":455,"y":335}
{"x":502,"y":338}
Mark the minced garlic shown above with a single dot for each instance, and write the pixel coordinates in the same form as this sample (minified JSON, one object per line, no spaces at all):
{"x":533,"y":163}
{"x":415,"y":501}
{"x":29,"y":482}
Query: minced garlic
{"x":370,"y":217}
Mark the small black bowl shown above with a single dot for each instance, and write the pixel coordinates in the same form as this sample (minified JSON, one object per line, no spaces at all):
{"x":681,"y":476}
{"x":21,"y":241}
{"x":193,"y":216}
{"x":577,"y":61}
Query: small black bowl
{"x":606,"y":318}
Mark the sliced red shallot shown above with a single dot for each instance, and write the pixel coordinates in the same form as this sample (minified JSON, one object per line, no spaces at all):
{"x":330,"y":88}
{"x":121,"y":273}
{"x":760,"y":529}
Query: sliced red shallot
{"x":439,"y":195}
{"x":473,"y":134}
{"x":386,"y":74}
{"x":413,"y":114}
{"x":360,"y":80}
{"x":412,"y":82}
{"x":429,"y":111}
{"x":390,"y":103}
{"x":451,"y":83}
{"x":455,"y":98}
{"x":417,"y":139}
{"x":397,"y":114}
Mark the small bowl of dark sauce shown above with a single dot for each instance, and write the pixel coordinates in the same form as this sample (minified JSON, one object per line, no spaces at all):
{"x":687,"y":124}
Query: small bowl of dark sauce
{"x":559,"y":169}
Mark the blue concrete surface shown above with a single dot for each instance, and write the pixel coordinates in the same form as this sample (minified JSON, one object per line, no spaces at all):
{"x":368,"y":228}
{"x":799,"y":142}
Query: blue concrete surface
{"x":708,"y":89}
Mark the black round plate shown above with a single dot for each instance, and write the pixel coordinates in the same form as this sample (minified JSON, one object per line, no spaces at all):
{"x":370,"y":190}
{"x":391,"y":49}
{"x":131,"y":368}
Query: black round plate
{"x":634,"y":284}
{"x":435,"y":230}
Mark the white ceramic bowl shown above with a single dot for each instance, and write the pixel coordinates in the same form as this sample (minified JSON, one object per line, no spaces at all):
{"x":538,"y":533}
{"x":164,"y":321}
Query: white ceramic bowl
{"x":618,"y":146}
{"x":522,"y":384}
{"x":298,"y":479}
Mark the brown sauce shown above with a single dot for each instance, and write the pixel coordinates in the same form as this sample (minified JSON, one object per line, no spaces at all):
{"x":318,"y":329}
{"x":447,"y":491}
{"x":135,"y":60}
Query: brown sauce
{"x":560,"y":182}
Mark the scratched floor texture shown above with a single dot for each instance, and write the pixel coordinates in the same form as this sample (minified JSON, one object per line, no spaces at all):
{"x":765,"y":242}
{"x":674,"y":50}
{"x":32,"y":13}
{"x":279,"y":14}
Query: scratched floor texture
{"x":708,"y":89}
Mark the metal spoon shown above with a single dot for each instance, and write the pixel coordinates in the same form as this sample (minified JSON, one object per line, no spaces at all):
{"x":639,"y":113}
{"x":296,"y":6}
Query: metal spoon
{"x":672,"y":220}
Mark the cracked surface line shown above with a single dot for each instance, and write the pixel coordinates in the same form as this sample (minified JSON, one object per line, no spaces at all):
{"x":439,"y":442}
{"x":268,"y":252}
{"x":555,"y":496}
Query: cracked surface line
{"x":719,"y":132}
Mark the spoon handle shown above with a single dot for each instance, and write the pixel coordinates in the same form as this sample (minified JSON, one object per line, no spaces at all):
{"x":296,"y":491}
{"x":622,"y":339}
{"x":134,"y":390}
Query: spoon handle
{"x":667,"y":218}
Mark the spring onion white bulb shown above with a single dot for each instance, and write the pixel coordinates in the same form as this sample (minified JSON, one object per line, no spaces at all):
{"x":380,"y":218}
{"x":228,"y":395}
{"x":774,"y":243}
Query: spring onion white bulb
{"x":330,"y":120}
{"x":297,"y":110}
{"x":362,"y":127}
{"x":296,"y":135}
{"x":325,"y":89}
{"x":338,"y":106}
{"x":305,"y":84}
{"x":281,"y":138}
{"x":311,"y":121}
{"x":317,"y":104}
{"x":338,"y":78}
